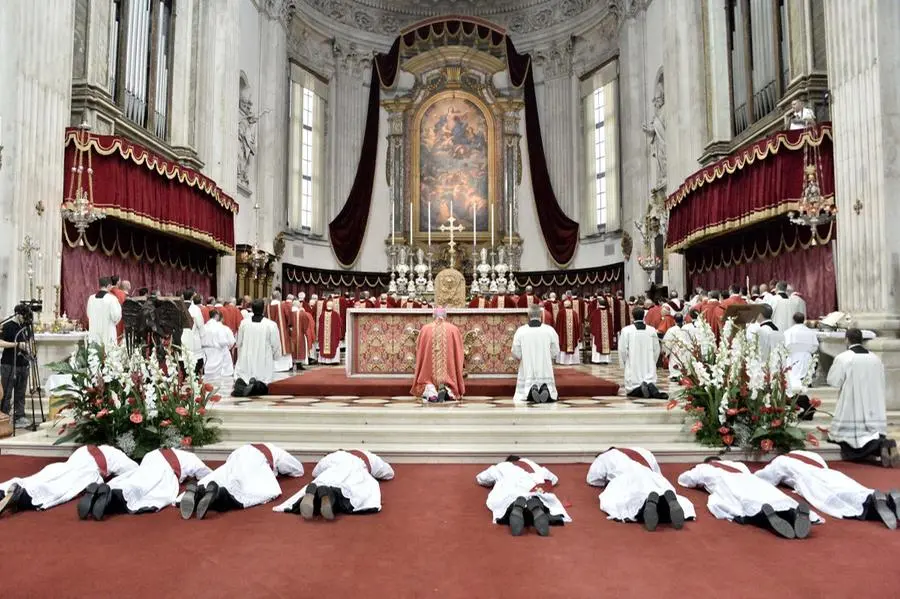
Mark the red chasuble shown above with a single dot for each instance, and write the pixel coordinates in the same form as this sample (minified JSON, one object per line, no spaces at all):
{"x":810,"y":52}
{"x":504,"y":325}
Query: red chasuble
{"x":666,"y":322}
{"x":302,"y":336}
{"x":231,"y":317}
{"x":733,"y":300}
{"x":204,"y":311}
{"x":121,"y":295}
{"x":276,"y":315}
{"x":439,"y":359}
{"x":713,"y":314}
{"x":602,"y":330}
{"x":568,"y":327}
{"x":526,"y":299}
{"x":548,"y":318}
{"x":653,"y":317}
{"x":553,"y":306}
{"x":330,"y":327}
{"x":502,"y":301}
{"x":478,"y":302}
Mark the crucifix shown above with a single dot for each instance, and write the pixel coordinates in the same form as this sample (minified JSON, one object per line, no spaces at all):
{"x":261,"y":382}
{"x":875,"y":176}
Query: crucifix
{"x":451,"y":227}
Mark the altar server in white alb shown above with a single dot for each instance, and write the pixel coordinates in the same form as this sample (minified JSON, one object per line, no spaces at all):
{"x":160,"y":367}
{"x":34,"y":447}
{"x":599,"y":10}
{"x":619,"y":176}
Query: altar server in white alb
{"x":248,"y":477}
{"x":535,"y":345}
{"x":521,"y":496}
{"x":103,"y":313}
{"x":830,"y":491}
{"x":259,"y":345}
{"x":860,"y":420}
{"x":801,"y":343}
{"x":63,"y":481}
{"x":638,"y":354}
{"x":345,"y":481}
{"x":677,"y":346}
{"x":217,"y":343}
{"x":636,"y":490}
{"x":148,"y":488}
{"x":736,"y":494}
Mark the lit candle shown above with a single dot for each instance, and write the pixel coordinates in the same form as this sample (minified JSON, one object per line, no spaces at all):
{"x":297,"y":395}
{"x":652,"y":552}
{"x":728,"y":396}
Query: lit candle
{"x":429,"y":224}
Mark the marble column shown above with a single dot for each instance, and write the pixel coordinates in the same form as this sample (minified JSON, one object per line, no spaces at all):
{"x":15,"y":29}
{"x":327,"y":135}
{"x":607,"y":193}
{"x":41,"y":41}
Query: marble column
{"x":718,"y":92}
{"x":864,"y":75}
{"x":36,"y":45}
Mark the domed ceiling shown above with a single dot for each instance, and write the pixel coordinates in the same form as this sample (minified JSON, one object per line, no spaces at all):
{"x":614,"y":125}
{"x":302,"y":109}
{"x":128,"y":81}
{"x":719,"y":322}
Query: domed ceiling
{"x":388,"y":17}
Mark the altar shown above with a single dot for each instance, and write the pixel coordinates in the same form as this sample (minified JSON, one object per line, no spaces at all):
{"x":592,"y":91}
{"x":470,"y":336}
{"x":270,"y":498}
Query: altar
{"x":55,"y":347}
{"x":381,"y":342}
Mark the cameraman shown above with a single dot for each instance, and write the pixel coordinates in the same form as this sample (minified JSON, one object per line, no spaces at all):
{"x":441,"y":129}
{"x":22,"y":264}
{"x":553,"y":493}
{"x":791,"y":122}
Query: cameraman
{"x":14,"y":365}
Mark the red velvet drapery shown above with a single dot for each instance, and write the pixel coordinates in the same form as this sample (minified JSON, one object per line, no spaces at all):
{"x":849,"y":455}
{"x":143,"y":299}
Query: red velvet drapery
{"x":134,"y":185}
{"x":295,"y":279}
{"x":347,"y":230}
{"x":759,"y":182}
{"x":771,"y":251}
{"x":143,"y":257}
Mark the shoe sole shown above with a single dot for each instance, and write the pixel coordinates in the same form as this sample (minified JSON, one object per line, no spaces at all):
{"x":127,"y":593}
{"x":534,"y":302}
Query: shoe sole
{"x":101,"y":502}
{"x":894,"y":498}
{"x":307,"y":506}
{"x":778,"y":524}
{"x":676,"y":513}
{"x":7,"y":499}
{"x":884,"y":511}
{"x":326,"y":508}
{"x":86,"y":503}
{"x":802,"y":522}
{"x":187,"y":505}
{"x":542,"y":523}
{"x":204,"y":503}
{"x":516,"y":522}
{"x":651,"y":512}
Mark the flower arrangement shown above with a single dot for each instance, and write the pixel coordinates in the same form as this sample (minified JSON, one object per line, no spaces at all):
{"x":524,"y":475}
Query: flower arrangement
{"x":736,"y":399}
{"x":134,"y":403}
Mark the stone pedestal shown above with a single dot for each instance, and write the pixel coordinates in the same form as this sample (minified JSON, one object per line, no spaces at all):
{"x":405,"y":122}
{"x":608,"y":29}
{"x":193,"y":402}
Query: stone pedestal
{"x":864,"y":74}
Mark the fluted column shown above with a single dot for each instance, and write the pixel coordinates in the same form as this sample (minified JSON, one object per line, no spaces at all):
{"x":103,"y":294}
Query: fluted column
{"x":718,"y":81}
{"x":350,"y":98}
{"x":36,"y":41}
{"x":864,"y":75}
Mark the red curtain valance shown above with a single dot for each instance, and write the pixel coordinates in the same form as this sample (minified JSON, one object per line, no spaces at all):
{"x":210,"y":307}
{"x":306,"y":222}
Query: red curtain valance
{"x":137,"y":186}
{"x":761,"y":181}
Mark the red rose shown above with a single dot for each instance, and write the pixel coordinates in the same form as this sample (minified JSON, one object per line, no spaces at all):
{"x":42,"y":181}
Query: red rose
{"x":207,"y":387}
{"x":766,"y":445}
{"x":728,"y":439}
{"x":815,"y":402}
{"x":812,"y":439}
{"x":672,"y":404}
{"x":732,"y":412}
{"x":698,"y":426}
{"x":102,"y":413}
{"x":776,"y":423}
{"x":198,"y":399}
{"x":215,"y":398}
{"x":164,"y":398}
{"x":165,"y":423}
{"x":723,"y":430}
{"x":131,"y":401}
{"x":201,"y":411}
{"x":181,"y":411}
{"x":136,"y":417}
{"x":186,"y":442}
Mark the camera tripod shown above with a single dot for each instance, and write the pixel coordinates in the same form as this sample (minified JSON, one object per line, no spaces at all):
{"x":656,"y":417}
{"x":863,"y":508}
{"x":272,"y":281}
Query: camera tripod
{"x":25,"y":335}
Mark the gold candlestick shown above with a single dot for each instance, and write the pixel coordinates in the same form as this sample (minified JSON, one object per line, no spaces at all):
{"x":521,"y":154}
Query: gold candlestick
{"x":56,"y":293}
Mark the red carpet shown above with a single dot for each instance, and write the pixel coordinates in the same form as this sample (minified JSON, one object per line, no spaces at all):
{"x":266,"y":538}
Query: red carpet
{"x":321,"y":382}
{"x":434,"y":539}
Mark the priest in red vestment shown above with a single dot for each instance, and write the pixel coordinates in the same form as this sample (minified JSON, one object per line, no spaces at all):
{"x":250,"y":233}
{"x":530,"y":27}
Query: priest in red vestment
{"x":734,"y":298}
{"x":330,"y":328}
{"x":502,"y":301}
{"x":302,"y":334}
{"x":120,"y":291}
{"x":528,"y":298}
{"x":601,"y":333}
{"x":231,"y":315}
{"x":652,"y":313}
{"x":479,"y":301}
{"x":714,"y":314}
{"x":621,"y":315}
{"x":552,"y":304}
{"x":666,"y":320}
{"x":277,"y":314}
{"x":568,"y":327}
{"x":548,"y":318}
{"x":439,"y":359}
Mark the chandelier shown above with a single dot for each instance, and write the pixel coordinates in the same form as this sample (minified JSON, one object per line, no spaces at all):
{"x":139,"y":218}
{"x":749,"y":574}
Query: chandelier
{"x":814,"y":209}
{"x":78,"y":207}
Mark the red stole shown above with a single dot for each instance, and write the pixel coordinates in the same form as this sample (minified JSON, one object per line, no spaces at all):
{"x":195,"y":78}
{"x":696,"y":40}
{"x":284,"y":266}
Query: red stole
{"x":98,"y":456}
{"x":264,"y":449}
{"x":724,"y":467}
{"x":804,"y":459}
{"x":169,"y":455}
{"x":634,"y":455}
{"x":362,"y":455}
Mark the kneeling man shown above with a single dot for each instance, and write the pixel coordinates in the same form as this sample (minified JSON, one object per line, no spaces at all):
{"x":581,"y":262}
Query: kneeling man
{"x":344,"y":482}
{"x":638,"y":354}
{"x":439,"y":361}
{"x":535,"y":345}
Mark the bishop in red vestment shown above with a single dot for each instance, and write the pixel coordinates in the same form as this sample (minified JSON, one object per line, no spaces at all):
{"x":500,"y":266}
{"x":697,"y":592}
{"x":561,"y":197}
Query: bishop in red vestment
{"x":601,"y":333}
{"x":479,"y":301}
{"x":526,"y":299}
{"x":302,"y":333}
{"x":652,"y":314}
{"x":330,"y":328}
{"x":439,"y":357}
{"x":734,"y":299}
{"x":502,"y":301}
{"x":552,"y":304}
{"x":121,"y":294}
{"x":276,"y":314}
{"x":568,"y":327}
{"x":714,"y":314}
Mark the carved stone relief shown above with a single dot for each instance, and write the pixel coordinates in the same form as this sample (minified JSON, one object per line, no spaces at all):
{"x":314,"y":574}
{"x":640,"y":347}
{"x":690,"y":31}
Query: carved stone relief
{"x":246,"y":132}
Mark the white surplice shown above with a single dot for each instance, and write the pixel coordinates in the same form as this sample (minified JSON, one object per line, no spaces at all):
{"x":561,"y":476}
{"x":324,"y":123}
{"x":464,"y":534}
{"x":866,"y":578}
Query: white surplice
{"x":247,"y":476}
{"x":798,"y":304}
{"x":535,"y":348}
{"x":628,"y":483}
{"x":103,"y":314}
{"x":60,"y":482}
{"x":192,"y":338}
{"x":830,"y":491}
{"x":677,"y":344}
{"x":736,"y":494}
{"x":217,"y":343}
{"x":349,"y":473}
{"x":258,"y":346}
{"x":153,"y":485}
{"x":801,"y":343}
{"x":638,"y":354}
{"x":782,"y":315}
{"x":509,"y":481}
{"x":767,"y":338}
{"x":859,"y":416}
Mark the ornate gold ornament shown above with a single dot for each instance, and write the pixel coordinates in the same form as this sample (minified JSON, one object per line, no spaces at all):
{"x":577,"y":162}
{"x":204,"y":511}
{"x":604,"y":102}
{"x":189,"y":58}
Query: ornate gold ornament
{"x":450,"y":289}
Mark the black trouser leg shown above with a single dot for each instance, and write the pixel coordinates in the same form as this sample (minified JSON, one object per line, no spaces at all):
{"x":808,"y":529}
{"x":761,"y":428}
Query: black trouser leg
{"x":117,"y":503}
{"x":225,"y":502}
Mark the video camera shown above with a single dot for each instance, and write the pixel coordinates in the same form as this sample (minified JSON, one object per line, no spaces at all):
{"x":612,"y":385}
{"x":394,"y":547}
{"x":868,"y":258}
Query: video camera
{"x":27,"y":308}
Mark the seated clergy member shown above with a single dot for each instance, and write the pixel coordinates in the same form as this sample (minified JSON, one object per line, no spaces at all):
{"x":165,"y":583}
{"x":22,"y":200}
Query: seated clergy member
{"x":343,"y":482}
{"x":638,"y":353}
{"x":258,"y":345}
{"x":859,"y":423}
{"x":535,"y":345}
{"x":737,"y":495}
{"x":439,"y":359}
{"x":63,"y":481}
{"x":602,"y":332}
{"x":801,"y":343}
{"x":331,"y":329}
{"x":217,"y":343}
{"x":521,"y":496}
{"x":568,"y":328}
{"x":636,"y":490}
{"x":247,"y":478}
{"x":148,"y":488}
{"x":830,"y":491}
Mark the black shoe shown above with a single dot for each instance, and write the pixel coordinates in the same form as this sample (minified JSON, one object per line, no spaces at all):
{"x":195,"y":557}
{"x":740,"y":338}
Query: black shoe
{"x":326,"y":505}
{"x":517,"y":517}
{"x":10,"y":501}
{"x":882,"y":507}
{"x":443,"y":396}
{"x":188,"y":501}
{"x":210,"y":492}
{"x":101,"y":502}
{"x":894,"y":501}
{"x":86,"y":503}
{"x":540,"y":519}
{"x":776,"y":523}
{"x":650,"y":511}
{"x":671,"y":510}
{"x":802,"y":523}
{"x":308,"y":503}
{"x":893,"y":453}
{"x":645,"y":391}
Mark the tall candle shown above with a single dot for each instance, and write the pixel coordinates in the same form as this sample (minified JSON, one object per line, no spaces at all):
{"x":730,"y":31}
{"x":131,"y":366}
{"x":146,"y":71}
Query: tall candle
{"x":410,"y":223}
{"x":474,"y":226}
{"x":492,"y":226}
{"x":393,"y":227}
{"x":510,"y":222}
{"x":429,"y":224}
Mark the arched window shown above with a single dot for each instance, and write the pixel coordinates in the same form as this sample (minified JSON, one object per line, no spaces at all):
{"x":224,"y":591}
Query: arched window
{"x":306,"y":164}
{"x":600,"y":100}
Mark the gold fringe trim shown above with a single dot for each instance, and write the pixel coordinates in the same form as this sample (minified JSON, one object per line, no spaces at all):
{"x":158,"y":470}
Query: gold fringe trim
{"x":171,"y":228}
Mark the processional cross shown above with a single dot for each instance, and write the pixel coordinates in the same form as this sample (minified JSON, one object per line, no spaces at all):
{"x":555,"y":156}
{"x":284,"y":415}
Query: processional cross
{"x":451,"y":227}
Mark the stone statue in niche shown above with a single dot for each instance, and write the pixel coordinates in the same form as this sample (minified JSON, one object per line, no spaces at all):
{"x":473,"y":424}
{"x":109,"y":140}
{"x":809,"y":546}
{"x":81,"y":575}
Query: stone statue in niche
{"x":656,"y":131}
{"x":246,"y":133}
